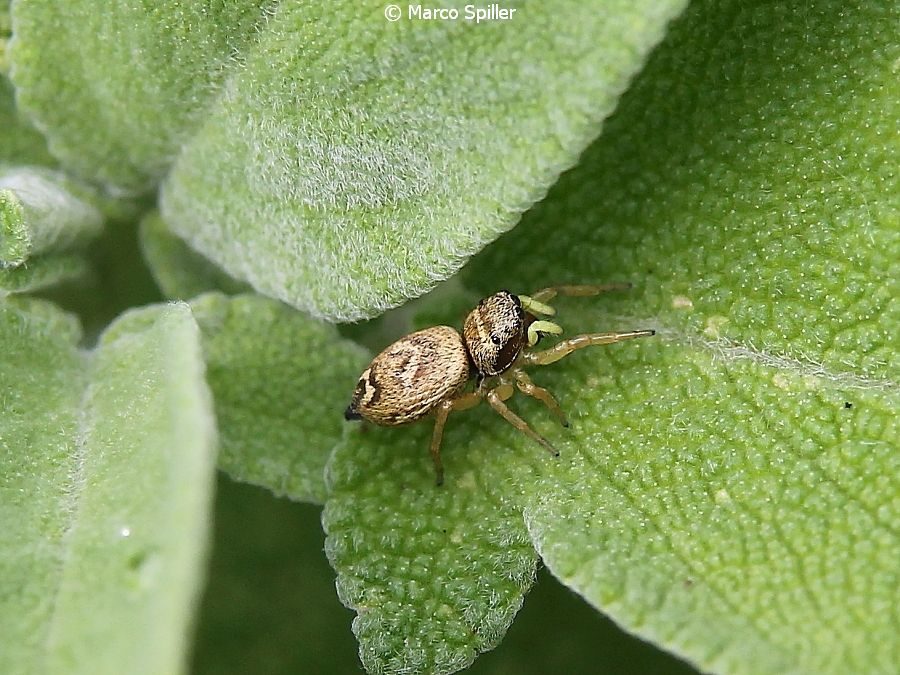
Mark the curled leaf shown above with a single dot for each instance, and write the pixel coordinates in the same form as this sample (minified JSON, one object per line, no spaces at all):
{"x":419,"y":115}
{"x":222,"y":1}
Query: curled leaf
{"x":40,"y":211}
{"x":42,"y":272}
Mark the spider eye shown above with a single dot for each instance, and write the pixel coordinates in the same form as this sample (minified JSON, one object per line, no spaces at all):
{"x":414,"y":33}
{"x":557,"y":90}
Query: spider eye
{"x":495,"y":339}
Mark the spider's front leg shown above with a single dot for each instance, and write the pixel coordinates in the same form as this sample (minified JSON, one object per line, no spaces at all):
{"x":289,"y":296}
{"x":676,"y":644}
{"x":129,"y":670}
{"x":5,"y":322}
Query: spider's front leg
{"x":566,"y":347}
{"x":580,"y":291}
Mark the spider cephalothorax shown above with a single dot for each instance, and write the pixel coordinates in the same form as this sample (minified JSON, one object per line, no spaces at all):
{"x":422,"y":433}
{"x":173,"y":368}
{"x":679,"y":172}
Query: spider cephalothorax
{"x":494,"y":332}
{"x":427,"y":370}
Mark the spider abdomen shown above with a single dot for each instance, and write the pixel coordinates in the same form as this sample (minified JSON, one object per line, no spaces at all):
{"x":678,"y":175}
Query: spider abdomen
{"x":410,"y":377}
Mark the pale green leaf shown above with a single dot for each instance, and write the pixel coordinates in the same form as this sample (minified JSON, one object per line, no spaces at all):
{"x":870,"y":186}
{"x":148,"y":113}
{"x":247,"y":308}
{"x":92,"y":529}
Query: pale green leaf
{"x":118,"y":91}
{"x":42,"y":272}
{"x":355,"y":162}
{"x":728,"y":488}
{"x":180,"y":272}
{"x":40,"y":211}
{"x":107,"y":462}
{"x":279,"y":382}
{"x":20,"y":143}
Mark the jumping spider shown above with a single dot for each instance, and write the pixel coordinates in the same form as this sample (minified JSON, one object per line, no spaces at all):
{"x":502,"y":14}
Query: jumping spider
{"x":426,"y":371}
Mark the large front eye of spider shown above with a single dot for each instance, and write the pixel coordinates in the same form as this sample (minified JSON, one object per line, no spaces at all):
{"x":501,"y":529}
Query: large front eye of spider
{"x":494,"y":333}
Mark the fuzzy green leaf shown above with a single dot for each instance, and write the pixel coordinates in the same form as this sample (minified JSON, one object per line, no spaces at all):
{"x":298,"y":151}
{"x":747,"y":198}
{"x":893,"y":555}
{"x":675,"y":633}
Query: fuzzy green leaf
{"x":118,"y":91}
{"x":180,"y":272}
{"x":107,"y":462}
{"x":435,"y":575}
{"x":40,"y":211}
{"x":279,"y":381}
{"x":354,"y":162}
{"x":728,"y":489}
{"x":20,"y":143}
{"x":42,"y":272}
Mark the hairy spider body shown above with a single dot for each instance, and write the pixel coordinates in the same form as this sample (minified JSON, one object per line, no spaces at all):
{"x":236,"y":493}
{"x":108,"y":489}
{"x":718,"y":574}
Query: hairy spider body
{"x":410,"y":377}
{"x":426,"y":372}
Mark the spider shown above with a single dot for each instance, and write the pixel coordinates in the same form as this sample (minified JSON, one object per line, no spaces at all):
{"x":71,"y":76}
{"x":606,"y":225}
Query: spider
{"x":426,"y":372}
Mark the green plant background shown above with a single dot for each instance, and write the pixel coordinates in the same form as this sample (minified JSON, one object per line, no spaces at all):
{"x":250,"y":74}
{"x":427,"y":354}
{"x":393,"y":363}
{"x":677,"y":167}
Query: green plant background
{"x":216,"y":180}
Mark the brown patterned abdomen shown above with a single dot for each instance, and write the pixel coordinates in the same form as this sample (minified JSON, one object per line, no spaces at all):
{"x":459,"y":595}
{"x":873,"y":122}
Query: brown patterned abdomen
{"x":411,"y":376}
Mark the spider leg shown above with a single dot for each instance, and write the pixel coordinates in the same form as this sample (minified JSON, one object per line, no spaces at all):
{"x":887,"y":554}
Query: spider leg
{"x":566,"y":347}
{"x":444,"y":409}
{"x":496,"y":397}
{"x":583,"y":290}
{"x":529,"y":388}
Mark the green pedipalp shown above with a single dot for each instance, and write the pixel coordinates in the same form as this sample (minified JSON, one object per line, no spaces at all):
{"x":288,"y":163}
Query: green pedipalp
{"x":538,"y":327}
{"x":535,"y":307}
